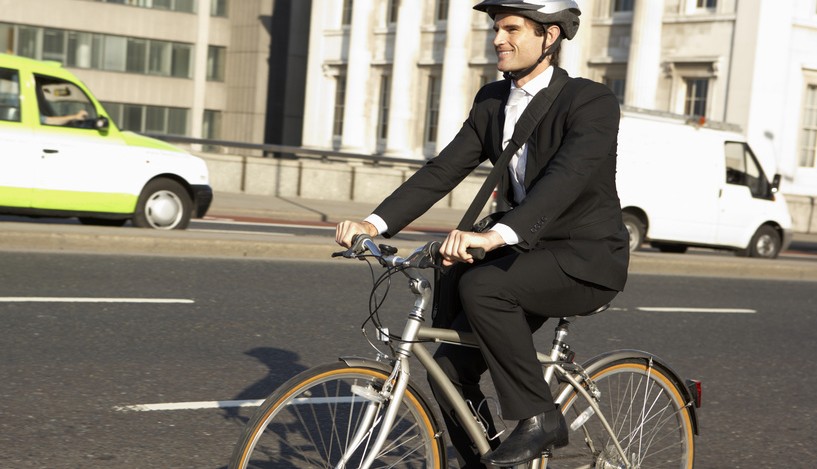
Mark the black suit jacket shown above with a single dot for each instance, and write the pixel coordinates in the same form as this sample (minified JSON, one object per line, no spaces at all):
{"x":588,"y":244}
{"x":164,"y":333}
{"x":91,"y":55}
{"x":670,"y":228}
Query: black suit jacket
{"x":571,"y":207}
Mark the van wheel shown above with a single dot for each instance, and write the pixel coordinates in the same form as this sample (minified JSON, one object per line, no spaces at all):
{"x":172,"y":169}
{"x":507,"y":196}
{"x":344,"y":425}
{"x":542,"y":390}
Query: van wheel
{"x":635,"y":227}
{"x":765,"y":243}
{"x":164,"y":205}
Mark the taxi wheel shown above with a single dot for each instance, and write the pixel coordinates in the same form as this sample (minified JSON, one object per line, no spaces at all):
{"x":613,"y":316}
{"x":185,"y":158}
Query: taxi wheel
{"x":163,"y":205}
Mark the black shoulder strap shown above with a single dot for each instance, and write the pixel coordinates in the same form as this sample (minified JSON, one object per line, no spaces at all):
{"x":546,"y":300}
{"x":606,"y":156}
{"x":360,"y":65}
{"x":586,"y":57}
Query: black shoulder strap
{"x":529,"y":120}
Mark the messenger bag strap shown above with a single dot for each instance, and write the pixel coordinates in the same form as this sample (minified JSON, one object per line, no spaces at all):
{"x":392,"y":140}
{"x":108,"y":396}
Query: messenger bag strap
{"x":528,"y":121}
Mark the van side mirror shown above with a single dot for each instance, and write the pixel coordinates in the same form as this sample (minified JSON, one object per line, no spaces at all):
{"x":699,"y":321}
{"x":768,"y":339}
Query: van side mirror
{"x":775,"y":183}
{"x":102,"y":123}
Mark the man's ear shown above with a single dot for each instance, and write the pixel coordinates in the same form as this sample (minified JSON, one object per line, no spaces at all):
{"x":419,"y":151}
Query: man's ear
{"x":551,"y":34}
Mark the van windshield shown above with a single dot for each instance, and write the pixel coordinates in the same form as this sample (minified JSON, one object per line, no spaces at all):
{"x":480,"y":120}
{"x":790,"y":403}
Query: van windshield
{"x":743,"y":169}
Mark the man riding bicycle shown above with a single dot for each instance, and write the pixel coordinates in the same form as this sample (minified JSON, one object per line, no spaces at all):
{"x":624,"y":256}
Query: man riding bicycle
{"x":561,"y":248}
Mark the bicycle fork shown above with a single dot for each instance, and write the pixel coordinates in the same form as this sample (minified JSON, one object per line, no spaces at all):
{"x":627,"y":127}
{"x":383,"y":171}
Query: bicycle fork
{"x":399,"y":376}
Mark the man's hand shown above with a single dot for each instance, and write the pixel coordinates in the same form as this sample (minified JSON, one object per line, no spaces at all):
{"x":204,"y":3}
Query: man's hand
{"x":454,"y":247}
{"x":346,"y":230}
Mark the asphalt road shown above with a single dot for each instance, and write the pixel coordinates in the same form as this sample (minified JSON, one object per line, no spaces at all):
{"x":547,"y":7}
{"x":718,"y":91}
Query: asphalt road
{"x":86,"y":358}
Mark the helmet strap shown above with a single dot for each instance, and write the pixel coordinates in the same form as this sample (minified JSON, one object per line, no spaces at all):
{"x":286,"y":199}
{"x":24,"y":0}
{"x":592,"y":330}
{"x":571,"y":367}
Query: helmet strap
{"x":525,"y":72}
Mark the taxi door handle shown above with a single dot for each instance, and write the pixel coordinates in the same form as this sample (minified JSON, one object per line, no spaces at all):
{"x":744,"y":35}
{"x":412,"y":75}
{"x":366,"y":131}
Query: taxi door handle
{"x":50,"y":151}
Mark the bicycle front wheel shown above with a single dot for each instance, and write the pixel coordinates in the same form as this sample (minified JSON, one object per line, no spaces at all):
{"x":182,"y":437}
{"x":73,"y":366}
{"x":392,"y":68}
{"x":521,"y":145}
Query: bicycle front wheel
{"x":314,"y":419}
{"x":647,"y":412}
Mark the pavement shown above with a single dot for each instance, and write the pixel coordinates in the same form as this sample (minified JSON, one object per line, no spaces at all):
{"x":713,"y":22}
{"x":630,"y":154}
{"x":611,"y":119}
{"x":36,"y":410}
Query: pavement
{"x":19,"y":234}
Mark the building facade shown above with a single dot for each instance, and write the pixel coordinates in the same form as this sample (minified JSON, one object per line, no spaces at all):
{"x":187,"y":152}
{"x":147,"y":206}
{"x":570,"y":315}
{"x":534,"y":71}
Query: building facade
{"x":202,"y":68}
{"x":397,"y":77}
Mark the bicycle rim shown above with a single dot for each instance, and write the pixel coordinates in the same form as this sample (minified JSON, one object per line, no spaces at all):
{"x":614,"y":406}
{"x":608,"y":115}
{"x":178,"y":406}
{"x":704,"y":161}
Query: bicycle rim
{"x":312,"y":420}
{"x":646,"y":411}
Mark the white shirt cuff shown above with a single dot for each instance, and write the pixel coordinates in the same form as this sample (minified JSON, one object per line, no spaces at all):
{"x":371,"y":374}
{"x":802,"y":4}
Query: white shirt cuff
{"x":377,"y":222}
{"x":508,"y":235}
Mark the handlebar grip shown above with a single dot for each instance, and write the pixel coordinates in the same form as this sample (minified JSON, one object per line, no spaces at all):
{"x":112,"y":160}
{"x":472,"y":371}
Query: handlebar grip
{"x":477,"y":253}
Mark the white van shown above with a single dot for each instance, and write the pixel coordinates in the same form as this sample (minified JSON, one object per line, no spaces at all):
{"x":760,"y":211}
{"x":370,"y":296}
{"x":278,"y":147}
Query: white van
{"x":684,"y":184}
{"x":61,"y":155}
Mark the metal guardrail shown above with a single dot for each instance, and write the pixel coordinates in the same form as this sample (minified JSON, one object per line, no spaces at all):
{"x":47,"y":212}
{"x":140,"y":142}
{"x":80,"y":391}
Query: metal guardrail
{"x":285,"y":151}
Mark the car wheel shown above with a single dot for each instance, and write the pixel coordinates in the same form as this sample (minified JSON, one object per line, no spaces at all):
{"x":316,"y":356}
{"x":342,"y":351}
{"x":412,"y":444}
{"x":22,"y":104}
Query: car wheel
{"x":102,"y":221}
{"x":765,"y":243}
{"x":164,"y":205}
{"x":635,"y":227}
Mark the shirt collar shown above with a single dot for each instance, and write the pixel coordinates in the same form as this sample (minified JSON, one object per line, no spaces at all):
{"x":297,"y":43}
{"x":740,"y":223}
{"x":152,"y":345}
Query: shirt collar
{"x":537,"y":83}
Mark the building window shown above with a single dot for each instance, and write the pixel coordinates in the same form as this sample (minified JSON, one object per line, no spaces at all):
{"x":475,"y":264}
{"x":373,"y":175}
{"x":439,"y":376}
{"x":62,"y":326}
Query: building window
{"x":391,"y":14}
{"x":623,"y":5}
{"x":383,"y":117}
{"x":808,"y":137}
{"x":218,"y":8}
{"x":216,"y":59}
{"x":211,"y":125}
{"x":616,"y":85}
{"x":99,"y":51}
{"x":708,"y":4}
{"x":148,"y":119}
{"x":186,"y":6}
{"x":442,"y":10}
{"x":697,"y":90}
{"x":346,"y":14}
{"x":340,"y":99}
{"x":432,"y":109}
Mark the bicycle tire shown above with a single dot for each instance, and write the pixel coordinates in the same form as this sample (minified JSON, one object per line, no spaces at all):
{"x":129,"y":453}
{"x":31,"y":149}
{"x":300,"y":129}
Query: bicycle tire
{"x":643,"y":404}
{"x":310,"y":419}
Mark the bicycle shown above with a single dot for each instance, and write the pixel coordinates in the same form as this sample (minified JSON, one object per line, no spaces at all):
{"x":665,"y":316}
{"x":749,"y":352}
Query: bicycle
{"x":625,"y":408}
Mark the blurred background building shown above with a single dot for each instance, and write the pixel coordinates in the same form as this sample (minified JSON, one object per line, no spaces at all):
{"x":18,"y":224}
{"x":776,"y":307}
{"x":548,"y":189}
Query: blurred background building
{"x":401,"y":74}
{"x":223,"y":69}
{"x":396,"y":77}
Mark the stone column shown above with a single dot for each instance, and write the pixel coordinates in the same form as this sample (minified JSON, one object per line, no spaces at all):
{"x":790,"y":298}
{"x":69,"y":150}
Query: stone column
{"x":402,"y":117}
{"x":358,"y":67}
{"x":200,"y":69}
{"x":644,"y":62}
{"x":455,"y":92}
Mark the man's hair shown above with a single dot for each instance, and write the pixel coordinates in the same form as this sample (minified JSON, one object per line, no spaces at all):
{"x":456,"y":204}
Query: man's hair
{"x":540,"y":30}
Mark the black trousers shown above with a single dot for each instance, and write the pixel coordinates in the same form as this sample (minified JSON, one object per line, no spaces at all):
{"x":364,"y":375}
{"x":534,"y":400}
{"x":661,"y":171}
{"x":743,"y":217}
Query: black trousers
{"x":505,"y":299}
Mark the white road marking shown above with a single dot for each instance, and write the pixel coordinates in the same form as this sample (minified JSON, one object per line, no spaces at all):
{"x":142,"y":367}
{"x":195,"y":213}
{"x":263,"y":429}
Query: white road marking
{"x":45,"y":299}
{"x":190,"y":405}
{"x":697,"y":310}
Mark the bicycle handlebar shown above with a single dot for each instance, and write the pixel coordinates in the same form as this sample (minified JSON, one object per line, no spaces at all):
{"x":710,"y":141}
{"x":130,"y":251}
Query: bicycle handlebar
{"x":423,"y":257}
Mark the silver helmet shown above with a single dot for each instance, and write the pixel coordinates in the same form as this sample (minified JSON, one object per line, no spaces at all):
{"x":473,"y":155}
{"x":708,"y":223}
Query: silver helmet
{"x":564,"y":13}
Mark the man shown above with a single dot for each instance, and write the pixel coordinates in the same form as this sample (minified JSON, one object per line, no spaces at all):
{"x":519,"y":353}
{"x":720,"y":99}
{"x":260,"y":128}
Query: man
{"x":560,"y":250}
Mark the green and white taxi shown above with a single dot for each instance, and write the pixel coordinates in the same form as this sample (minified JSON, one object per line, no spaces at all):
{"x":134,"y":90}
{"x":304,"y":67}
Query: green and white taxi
{"x":61,"y":155}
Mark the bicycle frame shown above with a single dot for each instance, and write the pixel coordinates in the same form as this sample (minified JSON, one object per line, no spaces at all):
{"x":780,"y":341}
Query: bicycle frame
{"x":557,"y":364}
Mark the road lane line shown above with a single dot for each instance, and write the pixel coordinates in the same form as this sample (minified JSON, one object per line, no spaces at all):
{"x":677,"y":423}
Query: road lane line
{"x":190,"y":405}
{"x":45,"y":299}
{"x":696,"y":310}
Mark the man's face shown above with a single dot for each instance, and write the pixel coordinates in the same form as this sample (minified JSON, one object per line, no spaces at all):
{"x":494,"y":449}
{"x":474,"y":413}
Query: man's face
{"x":516,"y":43}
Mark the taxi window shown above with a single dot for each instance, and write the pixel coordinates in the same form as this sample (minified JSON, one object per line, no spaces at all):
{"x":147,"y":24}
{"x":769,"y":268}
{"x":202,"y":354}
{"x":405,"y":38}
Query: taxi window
{"x":9,"y":95}
{"x":62,"y":103}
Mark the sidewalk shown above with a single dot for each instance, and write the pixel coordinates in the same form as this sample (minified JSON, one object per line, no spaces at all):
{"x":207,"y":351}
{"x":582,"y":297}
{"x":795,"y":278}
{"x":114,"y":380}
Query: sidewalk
{"x":73,"y":237}
{"x":245,"y":207}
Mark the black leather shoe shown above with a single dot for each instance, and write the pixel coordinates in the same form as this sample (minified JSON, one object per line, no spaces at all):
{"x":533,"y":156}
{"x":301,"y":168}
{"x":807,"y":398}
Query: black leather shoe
{"x":530,"y":439}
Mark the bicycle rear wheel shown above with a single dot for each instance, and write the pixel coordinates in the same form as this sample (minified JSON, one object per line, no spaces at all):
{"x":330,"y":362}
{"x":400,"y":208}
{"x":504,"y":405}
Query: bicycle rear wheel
{"x":311,"y":420}
{"x":646,"y":409}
